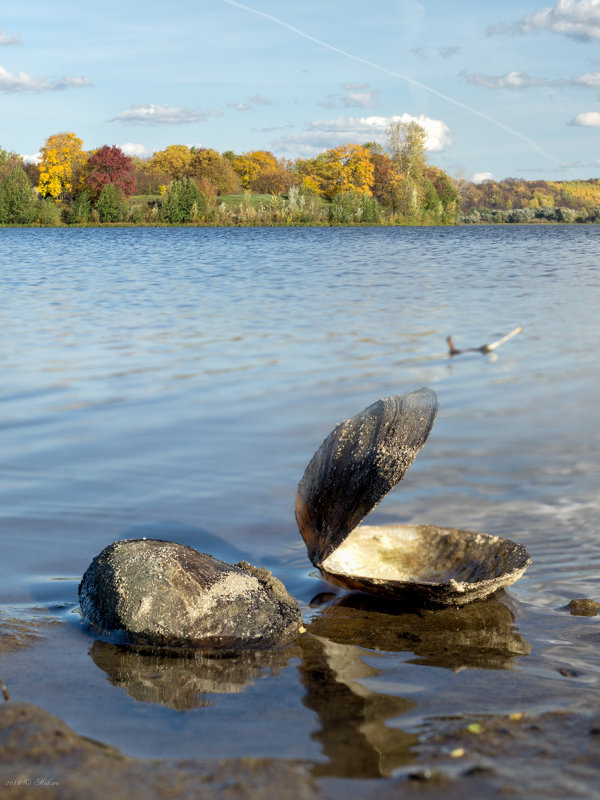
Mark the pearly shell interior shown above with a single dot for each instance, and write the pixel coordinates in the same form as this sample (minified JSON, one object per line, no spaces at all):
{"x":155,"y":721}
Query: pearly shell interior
{"x":439,"y":566}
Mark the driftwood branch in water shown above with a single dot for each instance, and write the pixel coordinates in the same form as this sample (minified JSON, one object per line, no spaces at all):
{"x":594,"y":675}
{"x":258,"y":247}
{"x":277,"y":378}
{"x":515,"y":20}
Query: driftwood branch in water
{"x":485,"y":348}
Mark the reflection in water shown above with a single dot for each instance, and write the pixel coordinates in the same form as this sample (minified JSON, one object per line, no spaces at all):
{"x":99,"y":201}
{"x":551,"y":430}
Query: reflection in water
{"x":357,"y":726}
{"x":481,"y":634}
{"x":182,"y":682}
{"x":352,"y":731}
{"x":356,"y":729}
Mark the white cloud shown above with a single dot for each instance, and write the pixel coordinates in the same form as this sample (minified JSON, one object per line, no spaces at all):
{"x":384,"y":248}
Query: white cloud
{"x":162,"y":115}
{"x":357,"y":95}
{"x":23,"y":82}
{"x":588,"y":119}
{"x":34,"y":158}
{"x":259,"y":100}
{"x":5,"y":39}
{"x":133,"y":149}
{"x":449,"y":51}
{"x":364,"y":99}
{"x":513,"y":80}
{"x":516,"y":80}
{"x":480,"y":177}
{"x":323,"y":134}
{"x":591,"y":79}
{"x":578,"y":19}
{"x":73,"y":83}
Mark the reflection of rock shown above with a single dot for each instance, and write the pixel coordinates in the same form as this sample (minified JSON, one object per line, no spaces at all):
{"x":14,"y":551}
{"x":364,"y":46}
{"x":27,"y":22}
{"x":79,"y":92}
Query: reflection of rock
{"x":182,"y":682}
{"x":353,"y":731}
{"x":481,"y":634}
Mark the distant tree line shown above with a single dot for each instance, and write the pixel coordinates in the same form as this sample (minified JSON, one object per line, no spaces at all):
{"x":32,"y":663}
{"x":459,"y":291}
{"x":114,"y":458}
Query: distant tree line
{"x":514,"y":200}
{"x":351,"y":184}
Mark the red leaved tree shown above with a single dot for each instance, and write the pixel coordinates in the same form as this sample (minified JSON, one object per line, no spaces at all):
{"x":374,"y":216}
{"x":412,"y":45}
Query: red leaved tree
{"x":110,"y":165}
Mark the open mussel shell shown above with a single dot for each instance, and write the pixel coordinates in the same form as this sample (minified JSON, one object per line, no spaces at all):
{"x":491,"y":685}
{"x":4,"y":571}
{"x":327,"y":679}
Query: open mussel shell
{"x":167,"y":595}
{"x":360,"y":461}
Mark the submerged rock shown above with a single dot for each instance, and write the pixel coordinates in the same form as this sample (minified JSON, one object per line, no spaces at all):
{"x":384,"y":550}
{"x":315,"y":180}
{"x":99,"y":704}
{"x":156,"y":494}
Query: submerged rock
{"x":167,"y":594}
{"x":583,"y":607}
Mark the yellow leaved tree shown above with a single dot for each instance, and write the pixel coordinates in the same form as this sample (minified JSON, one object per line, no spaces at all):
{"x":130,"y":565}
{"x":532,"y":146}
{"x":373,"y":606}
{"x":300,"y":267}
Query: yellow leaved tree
{"x":62,"y":164}
{"x":173,"y":161}
{"x":348,"y":168}
{"x":260,"y":171}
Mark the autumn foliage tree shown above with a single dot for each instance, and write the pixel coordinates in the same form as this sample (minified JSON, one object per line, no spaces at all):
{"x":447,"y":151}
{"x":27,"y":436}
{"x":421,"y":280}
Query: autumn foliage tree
{"x":348,"y":168}
{"x":407,"y":144}
{"x":8,"y":162}
{"x":261,"y":172}
{"x":110,"y":165}
{"x":209,"y":165}
{"x":173,"y":161}
{"x":61,"y":165}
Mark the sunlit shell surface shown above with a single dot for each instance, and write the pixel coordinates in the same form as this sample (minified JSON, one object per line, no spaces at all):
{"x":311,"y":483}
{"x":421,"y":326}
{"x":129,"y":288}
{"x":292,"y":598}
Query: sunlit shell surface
{"x":425,"y":563}
{"x":166,"y":594}
{"x":360,"y":461}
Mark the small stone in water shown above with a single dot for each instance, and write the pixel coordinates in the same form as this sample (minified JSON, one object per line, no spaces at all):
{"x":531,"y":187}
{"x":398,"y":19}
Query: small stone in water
{"x":583,"y":607}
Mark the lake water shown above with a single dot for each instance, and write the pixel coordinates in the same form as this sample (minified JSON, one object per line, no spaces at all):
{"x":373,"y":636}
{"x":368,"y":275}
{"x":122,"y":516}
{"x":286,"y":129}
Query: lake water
{"x":174,"y":383}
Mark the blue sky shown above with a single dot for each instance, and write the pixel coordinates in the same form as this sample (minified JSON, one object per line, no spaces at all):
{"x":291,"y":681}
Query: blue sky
{"x":510,"y":89}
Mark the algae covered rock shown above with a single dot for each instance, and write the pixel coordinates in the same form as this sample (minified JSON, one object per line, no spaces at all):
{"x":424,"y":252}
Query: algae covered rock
{"x":167,"y":594}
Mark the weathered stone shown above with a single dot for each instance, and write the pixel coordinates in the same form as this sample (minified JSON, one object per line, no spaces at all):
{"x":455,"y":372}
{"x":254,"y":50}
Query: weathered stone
{"x":166,"y":594}
{"x":583,"y":607}
{"x":40,"y":756}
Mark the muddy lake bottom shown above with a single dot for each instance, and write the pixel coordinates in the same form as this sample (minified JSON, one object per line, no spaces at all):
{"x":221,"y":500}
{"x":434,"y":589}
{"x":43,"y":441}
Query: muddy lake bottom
{"x":174,"y":383}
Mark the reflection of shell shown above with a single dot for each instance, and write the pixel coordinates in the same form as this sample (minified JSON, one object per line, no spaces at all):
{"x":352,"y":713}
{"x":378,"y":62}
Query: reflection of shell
{"x":481,"y":635}
{"x":167,"y":594}
{"x":355,"y":467}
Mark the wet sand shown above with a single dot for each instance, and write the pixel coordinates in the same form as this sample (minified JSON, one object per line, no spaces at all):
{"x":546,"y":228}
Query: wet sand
{"x":553,"y":754}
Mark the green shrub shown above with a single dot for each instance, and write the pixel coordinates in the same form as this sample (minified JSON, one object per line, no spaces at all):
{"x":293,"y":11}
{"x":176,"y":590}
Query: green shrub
{"x":352,"y":207}
{"x":47,"y":212}
{"x":111,"y":205}
{"x":82,"y":209}
{"x":184,"y":202}
{"x":135,"y":215}
{"x":17,"y":199}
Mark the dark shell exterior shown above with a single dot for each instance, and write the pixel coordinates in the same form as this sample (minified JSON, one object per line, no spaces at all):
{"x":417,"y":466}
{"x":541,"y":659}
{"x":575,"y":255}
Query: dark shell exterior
{"x":360,"y":461}
{"x":166,"y":594}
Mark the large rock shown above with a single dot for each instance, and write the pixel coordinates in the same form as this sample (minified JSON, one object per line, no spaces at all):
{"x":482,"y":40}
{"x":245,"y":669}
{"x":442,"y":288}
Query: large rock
{"x":42,"y":757}
{"x":164,"y":593}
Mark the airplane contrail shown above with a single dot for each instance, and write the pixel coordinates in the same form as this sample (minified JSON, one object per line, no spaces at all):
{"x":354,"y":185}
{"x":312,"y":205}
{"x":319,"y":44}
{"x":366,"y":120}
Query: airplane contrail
{"x":399,"y":75}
